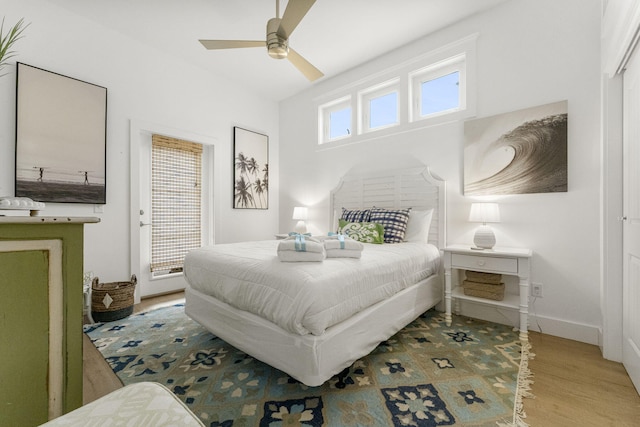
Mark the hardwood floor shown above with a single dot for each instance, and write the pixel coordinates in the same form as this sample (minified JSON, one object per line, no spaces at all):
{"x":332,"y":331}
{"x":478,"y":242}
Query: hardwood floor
{"x":573,"y":384}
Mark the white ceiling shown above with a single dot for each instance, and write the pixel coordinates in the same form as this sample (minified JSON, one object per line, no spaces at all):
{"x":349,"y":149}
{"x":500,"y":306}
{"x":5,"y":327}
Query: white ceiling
{"x":335,"y":35}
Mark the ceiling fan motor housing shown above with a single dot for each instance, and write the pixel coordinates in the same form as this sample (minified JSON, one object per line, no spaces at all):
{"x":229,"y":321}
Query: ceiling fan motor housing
{"x":277,"y":46}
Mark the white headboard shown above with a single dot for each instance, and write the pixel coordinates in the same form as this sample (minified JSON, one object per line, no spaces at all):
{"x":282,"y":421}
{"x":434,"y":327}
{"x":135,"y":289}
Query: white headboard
{"x":415,"y":188}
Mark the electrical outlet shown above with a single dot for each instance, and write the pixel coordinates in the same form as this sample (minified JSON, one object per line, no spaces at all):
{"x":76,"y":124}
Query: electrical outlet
{"x":536,"y":290}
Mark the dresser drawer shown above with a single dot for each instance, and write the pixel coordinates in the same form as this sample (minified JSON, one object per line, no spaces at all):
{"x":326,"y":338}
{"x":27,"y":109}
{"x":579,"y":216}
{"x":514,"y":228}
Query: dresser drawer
{"x":494,"y":265}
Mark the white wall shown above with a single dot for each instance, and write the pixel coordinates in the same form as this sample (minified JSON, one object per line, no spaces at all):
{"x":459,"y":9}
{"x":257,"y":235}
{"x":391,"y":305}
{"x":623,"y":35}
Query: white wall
{"x":529,"y":53}
{"x":144,"y":85}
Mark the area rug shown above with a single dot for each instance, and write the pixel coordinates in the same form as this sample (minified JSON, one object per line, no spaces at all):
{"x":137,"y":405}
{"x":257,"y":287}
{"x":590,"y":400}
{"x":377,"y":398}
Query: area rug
{"x":472,"y":373}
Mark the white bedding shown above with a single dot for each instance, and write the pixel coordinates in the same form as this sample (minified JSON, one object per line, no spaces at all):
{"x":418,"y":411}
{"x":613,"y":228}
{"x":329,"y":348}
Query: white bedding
{"x":306,"y":298}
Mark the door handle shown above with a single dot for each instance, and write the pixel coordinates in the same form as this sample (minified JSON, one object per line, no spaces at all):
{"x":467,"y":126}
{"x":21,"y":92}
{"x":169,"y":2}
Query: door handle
{"x":142,"y":224}
{"x":622,"y":218}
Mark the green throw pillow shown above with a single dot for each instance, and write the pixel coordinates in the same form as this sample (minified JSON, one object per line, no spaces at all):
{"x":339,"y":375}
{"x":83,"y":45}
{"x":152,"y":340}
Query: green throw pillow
{"x":366,"y":232}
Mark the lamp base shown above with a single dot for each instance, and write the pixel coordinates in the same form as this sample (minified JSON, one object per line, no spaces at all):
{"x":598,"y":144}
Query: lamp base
{"x":301,"y":227}
{"x":484,"y":237}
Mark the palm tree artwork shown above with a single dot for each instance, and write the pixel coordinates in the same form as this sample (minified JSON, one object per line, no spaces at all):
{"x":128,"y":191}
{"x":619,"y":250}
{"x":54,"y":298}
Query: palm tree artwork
{"x":251,"y":170}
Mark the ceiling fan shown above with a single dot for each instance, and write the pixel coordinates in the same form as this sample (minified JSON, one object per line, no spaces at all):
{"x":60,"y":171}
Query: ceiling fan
{"x":278,"y":33}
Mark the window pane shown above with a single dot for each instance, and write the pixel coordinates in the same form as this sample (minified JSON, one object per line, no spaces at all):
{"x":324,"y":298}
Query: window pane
{"x":383,"y":110}
{"x":340,"y":123}
{"x":176,"y":171}
{"x":440,"y":94}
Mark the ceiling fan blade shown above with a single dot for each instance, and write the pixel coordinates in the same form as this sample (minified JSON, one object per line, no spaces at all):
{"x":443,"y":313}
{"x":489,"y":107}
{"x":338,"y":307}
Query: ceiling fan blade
{"x":231,"y":44}
{"x":304,"y":66}
{"x":293,"y":14}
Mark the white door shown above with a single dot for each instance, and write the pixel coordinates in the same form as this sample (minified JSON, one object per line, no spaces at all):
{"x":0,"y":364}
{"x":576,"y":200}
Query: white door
{"x":631,"y":221}
{"x":140,"y":136}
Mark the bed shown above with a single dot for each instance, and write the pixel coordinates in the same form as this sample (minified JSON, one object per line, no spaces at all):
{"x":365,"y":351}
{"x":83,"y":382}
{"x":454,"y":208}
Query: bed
{"x":312,"y":320}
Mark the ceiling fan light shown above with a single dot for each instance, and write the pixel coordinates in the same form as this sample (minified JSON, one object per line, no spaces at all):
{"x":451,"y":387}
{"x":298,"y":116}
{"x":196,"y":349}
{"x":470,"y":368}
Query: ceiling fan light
{"x":278,"y":50}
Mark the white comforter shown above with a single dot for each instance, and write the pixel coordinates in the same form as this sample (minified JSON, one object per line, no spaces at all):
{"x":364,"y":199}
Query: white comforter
{"x":309,"y":297}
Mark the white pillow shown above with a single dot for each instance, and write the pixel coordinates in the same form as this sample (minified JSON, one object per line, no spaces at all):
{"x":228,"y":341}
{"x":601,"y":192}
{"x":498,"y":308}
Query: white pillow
{"x":418,"y":226}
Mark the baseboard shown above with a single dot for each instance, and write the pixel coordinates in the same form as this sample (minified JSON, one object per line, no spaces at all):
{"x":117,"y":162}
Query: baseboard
{"x":547,"y":325}
{"x":601,"y":340}
{"x":565,"y":329}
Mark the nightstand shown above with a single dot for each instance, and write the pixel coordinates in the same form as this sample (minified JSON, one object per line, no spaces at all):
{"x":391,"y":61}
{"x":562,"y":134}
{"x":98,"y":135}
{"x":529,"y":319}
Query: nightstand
{"x":506,"y":261}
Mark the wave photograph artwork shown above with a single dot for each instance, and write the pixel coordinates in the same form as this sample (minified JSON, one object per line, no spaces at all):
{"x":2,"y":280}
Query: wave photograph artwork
{"x":517,"y":153}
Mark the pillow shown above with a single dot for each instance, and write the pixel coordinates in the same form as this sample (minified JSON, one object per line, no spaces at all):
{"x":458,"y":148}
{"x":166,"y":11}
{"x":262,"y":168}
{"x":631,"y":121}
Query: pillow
{"x":365,"y":232}
{"x":355,"y":215}
{"x":418,"y":226}
{"x":394,"y":222}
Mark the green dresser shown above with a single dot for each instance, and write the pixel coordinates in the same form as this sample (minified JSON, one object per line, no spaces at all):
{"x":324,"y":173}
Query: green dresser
{"x":41,"y":305}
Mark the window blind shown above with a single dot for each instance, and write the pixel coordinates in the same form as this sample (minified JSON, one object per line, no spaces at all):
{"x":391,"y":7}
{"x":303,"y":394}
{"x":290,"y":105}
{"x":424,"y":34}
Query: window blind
{"x":176,"y":167}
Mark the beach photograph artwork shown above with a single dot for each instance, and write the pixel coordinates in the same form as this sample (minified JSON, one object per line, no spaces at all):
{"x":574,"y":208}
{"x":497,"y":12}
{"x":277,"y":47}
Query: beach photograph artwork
{"x":60,"y":138}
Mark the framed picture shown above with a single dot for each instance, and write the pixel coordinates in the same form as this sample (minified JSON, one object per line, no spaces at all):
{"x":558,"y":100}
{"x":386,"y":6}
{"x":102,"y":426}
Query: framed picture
{"x":251,"y":169}
{"x":61,"y":125}
{"x":520,"y":152}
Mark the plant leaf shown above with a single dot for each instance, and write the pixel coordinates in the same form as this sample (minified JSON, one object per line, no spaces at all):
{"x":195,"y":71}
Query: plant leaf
{"x":9,"y":39}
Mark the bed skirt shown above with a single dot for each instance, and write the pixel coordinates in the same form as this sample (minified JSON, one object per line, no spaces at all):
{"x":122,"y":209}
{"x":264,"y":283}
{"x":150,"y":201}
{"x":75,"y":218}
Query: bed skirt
{"x":313,"y":359}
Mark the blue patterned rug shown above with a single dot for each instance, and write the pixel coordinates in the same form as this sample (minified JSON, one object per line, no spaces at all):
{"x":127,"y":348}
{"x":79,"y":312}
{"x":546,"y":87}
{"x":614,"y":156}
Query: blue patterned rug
{"x":427,"y":374}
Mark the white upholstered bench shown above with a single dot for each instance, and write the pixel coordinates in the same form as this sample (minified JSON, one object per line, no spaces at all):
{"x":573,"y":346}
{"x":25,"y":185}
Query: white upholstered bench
{"x":140,"y":404}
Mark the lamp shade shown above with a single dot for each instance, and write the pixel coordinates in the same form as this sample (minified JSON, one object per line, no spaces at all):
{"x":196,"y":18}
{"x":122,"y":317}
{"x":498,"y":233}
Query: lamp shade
{"x":484,"y":212}
{"x":299,"y":213}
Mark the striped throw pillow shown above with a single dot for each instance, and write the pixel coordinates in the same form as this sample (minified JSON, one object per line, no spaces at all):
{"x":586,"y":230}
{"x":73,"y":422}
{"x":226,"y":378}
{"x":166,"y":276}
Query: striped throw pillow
{"x":394,"y":222}
{"x":355,"y":215}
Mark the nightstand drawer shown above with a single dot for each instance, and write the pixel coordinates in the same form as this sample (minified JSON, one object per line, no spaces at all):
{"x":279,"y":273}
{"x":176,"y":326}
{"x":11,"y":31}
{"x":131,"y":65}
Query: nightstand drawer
{"x":494,"y":265}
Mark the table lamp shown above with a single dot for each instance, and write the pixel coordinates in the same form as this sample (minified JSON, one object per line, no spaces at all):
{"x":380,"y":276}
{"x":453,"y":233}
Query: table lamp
{"x":300,"y":214}
{"x":484,"y":213}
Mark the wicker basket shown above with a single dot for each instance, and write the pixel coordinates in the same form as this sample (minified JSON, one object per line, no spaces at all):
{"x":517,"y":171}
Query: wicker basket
{"x":484,"y":290}
{"x":481,"y":277}
{"x":112,"y":301}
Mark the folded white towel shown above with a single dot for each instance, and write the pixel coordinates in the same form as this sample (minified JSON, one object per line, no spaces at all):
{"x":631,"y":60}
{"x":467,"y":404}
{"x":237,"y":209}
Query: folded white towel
{"x":340,"y":246}
{"x":343,"y":253}
{"x":297,"y":248}
{"x":293,"y":256}
{"x":332,"y":242}
{"x":300,"y":243}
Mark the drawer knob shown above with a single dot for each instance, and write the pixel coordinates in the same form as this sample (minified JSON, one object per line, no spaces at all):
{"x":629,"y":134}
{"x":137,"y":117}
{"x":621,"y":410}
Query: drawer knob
{"x":480,"y":263}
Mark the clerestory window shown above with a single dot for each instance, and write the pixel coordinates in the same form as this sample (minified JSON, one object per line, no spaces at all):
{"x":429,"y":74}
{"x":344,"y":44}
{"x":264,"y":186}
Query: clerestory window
{"x":438,"y":89}
{"x":379,"y":106}
{"x":336,"y":120}
{"x":424,"y":91}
